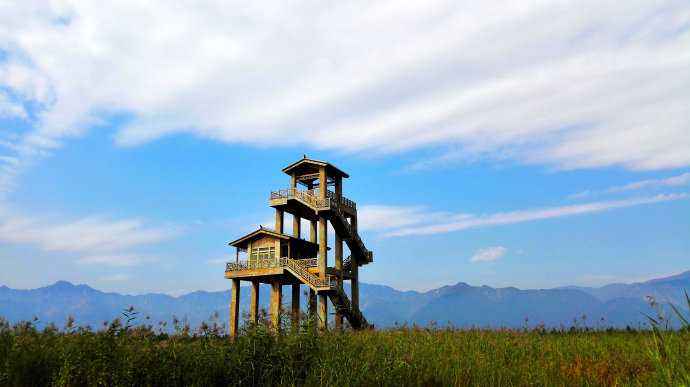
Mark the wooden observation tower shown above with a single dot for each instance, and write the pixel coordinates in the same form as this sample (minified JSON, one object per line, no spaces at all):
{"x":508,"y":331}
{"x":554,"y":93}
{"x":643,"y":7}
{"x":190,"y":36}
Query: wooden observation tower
{"x":276,"y":258}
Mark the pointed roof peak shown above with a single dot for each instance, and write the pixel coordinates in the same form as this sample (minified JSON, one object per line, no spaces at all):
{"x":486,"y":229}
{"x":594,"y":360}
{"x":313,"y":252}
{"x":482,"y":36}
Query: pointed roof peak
{"x":307,"y":165}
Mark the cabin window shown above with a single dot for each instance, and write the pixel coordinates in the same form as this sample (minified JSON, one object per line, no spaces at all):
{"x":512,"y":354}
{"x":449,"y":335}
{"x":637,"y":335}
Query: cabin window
{"x":263,"y":252}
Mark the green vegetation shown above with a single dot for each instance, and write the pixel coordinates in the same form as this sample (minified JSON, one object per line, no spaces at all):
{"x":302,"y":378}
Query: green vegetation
{"x":120,"y":354}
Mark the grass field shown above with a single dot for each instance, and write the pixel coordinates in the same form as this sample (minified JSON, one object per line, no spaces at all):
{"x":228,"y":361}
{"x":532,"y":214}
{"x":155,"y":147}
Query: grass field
{"x":119,"y":354}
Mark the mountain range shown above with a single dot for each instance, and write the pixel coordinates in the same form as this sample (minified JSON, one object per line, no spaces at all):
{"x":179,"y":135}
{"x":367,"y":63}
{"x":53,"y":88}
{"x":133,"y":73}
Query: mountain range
{"x":460,"y":305}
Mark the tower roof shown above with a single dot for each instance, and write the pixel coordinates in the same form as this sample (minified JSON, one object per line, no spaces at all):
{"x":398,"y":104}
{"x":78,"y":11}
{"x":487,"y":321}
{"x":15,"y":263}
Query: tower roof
{"x":306,"y":166}
{"x":243,"y":242}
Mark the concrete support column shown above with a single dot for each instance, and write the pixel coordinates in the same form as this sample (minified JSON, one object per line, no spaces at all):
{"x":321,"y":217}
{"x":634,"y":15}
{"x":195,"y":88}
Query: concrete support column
{"x":234,"y":308}
{"x":354,"y":284}
{"x":312,"y":231}
{"x":254,"y":302}
{"x":296,"y":226}
{"x":295,"y":306}
{"x":355,"y":270}
{"x":339,"y":186}
{"x":312,"y":304}
{"x":323,"y":312}
{"x":323,"y":247}
{"x":339,"y":270}
{"x":323,"y":182}
{"x":276,"y":296}
{"x":323,"y":264}
{"x":279,"y":220}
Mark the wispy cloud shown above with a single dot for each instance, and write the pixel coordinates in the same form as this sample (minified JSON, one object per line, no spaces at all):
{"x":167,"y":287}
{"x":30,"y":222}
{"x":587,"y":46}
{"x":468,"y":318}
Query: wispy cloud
{"x":122,"y":260}
{"x":11,"y":109}
{"x":669,"y":182}
{"x":381,"y":217}
{"x":101,"y":240}
{"x":489,"y":254}
{"x":219,"y":261}
{"x":115,"y":278}
{"x":459,"y":222}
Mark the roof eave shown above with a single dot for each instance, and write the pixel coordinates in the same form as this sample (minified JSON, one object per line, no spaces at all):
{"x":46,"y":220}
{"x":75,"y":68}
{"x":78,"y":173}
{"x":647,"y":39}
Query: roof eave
{"x":317,"y":162}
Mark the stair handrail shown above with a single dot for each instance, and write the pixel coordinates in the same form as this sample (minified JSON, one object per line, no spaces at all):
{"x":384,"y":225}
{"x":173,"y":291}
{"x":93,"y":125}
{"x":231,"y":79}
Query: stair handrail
{"x":367,"y":255}
{"x":301,"y":270}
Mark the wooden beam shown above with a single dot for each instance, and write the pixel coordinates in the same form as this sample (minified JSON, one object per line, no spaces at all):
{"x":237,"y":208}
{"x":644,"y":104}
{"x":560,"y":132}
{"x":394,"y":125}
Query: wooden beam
{"x":308,"y":177}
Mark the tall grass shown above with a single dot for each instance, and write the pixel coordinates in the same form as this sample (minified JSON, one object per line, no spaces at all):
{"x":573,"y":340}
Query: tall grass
{"x":668,"y":355}
{"x":123,"y":354}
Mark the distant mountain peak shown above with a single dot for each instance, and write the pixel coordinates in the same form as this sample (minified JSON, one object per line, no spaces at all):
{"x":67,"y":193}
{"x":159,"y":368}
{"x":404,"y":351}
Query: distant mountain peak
{"x":681,"y":276}
{"x":66,"y":286}
{"x":61,"y":284}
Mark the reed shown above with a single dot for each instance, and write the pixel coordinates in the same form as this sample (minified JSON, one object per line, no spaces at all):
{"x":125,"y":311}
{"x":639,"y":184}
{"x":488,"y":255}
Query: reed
{"x":123,"y":353}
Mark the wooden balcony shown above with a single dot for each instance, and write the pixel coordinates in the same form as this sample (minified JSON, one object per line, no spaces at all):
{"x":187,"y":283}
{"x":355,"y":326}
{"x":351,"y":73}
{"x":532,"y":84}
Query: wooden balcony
{"x":312,"y":200}
{"x":303,"y":269}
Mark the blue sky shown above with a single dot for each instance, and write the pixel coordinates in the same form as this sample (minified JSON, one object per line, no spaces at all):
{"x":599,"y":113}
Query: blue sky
{"x":538,"y":145}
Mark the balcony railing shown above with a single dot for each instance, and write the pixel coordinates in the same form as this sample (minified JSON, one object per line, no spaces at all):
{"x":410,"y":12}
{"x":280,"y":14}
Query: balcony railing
{"x":312,"y":198}
{"x":294,"y":193}
{"x":267,"y":263}
{"x":298,"y":266}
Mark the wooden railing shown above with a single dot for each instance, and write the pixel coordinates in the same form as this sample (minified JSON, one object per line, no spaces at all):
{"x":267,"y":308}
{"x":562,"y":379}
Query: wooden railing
{"x":309,"y":262}
{"x":253,"y":264}
{"x":354,"y":237}
{"x":299,"y":267}
{"x":312,"y":198}
{"x":294,"y":193}
{"x":266,"y":263}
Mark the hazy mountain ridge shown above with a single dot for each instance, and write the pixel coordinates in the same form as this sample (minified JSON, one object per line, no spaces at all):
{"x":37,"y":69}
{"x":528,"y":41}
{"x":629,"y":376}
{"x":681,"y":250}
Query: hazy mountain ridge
{"x":459,"y":305}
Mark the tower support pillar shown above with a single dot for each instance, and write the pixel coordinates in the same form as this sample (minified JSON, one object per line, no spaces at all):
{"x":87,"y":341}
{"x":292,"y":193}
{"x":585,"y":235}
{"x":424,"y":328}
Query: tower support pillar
{"x":295,"y":306}
{"x":339,"y":272}
{"x":296,"y":226}
{"x":254,"y":302}
{"x":280,"y":216}
{"x":323,"y":312}
{"x":312,"y":305}
{"x":276,"y":296}
{"x":234,"y":308}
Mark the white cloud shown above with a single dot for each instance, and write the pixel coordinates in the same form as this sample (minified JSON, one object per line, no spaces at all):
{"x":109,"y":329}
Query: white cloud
{"x":11,"y":109}
{"x":569,"y":84}
{"x":382,"y":217}
{"x":115,"y":260}
{"x":115,"y":278}
{"x":459,"y":222}
{"x":669,"y":182}
{"x":220,"y":261}
{"x":489,"y":254}
{"x":105,"y":240}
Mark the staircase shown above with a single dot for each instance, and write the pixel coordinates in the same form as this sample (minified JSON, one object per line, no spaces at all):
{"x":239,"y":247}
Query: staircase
{"x":344,"y":307}
{"x":330,"y":286}
{"x":359,"y":254}
{"x":343,"y":228}
{"x":300,"y":270}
